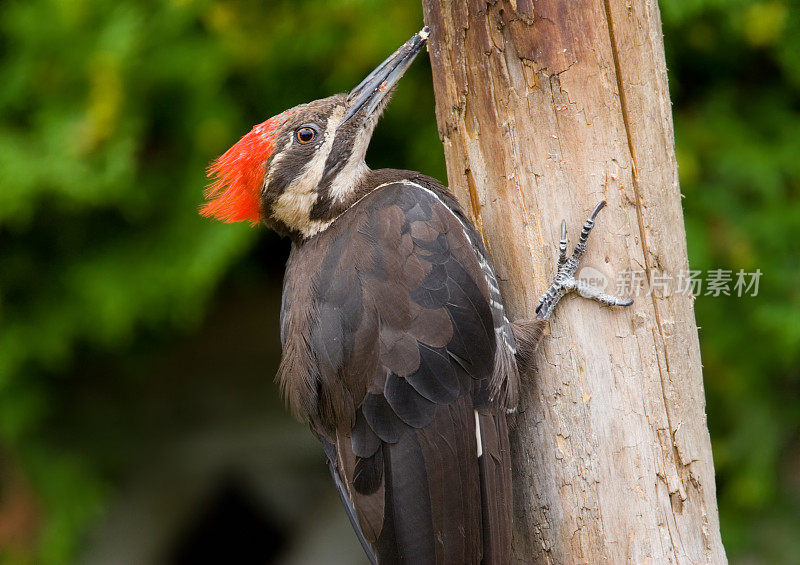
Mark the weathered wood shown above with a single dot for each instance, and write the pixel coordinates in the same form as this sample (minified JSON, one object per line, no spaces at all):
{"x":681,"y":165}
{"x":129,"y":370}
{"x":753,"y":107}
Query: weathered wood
{"x":545,"y":108}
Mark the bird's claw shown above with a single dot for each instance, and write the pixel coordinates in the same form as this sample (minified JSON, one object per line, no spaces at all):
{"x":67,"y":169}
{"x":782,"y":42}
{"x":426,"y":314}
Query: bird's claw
{"x":565,"y":280}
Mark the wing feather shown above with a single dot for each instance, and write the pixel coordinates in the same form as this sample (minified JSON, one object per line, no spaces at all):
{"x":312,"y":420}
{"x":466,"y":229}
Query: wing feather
{"x":404,"y":330}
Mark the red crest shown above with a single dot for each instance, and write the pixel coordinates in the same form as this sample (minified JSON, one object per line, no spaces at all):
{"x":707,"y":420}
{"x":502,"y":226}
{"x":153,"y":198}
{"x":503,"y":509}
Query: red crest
{"x":237,"y":176}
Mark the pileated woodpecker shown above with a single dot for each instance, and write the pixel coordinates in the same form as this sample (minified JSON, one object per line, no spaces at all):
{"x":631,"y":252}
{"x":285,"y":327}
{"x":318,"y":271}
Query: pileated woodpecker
{"x":396,"y":346}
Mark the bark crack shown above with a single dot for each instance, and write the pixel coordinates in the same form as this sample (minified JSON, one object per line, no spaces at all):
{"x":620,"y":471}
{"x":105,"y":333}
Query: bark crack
{"x":598,"y":477}
{"x":660,"y":342}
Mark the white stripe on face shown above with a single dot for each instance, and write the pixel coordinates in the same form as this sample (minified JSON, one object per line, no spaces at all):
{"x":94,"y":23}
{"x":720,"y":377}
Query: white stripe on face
{"x":345,"y":182}
{"x":293,"y":207}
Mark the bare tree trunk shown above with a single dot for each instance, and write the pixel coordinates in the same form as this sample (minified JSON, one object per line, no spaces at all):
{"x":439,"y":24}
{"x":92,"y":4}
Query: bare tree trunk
{"x":546,"y":107}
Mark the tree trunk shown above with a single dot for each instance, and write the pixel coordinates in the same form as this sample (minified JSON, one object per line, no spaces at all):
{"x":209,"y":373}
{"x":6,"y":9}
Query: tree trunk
{"x":544,"y":108}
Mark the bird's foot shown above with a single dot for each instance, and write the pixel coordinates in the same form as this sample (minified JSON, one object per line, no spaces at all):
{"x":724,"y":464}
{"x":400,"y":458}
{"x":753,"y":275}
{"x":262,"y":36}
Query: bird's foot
{"x":565,"y":280}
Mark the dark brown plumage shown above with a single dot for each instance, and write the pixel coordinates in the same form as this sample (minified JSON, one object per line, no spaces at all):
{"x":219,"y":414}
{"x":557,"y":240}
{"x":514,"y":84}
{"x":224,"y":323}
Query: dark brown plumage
{"x":390,"y":349}
{"x":396,"y":346}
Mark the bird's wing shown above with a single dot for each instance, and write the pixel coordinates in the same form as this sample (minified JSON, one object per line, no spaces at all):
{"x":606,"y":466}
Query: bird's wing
{"x":405,"y":347}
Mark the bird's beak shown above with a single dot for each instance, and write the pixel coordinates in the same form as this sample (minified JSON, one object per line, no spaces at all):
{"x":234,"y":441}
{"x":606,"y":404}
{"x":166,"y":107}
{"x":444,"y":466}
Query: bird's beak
{"x":369,"y":93}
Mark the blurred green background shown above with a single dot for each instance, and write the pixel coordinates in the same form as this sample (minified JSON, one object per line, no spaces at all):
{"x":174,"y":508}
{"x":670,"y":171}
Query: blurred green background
{"x":138,"y":418}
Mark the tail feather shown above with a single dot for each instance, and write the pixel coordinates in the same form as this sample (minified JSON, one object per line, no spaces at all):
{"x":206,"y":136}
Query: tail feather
{"x":528,"y":334}
{"x":495,"y":475}
{"x":407,"y":535}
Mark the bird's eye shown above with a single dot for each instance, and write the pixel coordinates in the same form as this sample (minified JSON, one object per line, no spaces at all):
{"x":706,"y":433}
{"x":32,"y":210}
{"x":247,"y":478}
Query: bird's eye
{"x":305,"y":135}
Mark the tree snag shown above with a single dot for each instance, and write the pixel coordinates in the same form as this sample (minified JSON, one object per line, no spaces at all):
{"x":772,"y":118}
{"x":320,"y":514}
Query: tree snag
{"x":544,"y":108}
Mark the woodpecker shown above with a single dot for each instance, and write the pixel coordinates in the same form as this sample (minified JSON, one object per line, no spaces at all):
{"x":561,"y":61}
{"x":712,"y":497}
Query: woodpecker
{"x":396,"y":346}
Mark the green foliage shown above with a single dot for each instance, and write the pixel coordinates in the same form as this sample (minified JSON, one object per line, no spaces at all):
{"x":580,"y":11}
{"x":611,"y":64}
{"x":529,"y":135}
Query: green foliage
{"x":109,"y":114}
{"x":734,"y":70}
{"x":110,"y":111}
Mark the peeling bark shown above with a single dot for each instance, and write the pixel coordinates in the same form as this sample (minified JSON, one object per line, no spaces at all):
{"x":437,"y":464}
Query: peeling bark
{"x":544,"y":108}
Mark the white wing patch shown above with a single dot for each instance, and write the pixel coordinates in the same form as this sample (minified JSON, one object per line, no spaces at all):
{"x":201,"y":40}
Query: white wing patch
{"x":478,"y":433}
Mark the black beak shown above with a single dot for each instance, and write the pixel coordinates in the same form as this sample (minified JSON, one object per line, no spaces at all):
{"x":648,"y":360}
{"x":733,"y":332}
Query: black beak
{"x":369,"y":93}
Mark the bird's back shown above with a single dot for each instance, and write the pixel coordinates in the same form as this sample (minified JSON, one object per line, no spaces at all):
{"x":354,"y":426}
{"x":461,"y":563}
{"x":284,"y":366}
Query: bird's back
{"x":397,"y":352}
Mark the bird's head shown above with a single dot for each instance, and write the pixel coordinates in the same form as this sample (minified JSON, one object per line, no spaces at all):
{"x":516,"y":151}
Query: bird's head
{"x":299,"y":170}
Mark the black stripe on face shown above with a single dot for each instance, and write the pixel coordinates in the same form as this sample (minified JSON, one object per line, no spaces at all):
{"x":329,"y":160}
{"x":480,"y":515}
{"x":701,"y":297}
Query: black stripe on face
{"x":341,"y":152}
{"x":324,"y":209}
{"x":288,"y":167}
{"x":282,"y":172}
{"x":290,"y":157}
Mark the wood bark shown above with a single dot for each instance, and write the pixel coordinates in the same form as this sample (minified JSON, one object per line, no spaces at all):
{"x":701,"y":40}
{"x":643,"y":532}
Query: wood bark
{"x":545,"y":107}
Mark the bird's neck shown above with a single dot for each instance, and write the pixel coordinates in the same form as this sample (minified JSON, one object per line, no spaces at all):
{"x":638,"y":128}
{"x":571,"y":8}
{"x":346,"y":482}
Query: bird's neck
{"x":303,"y":210}
{"x":329,"y":204}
